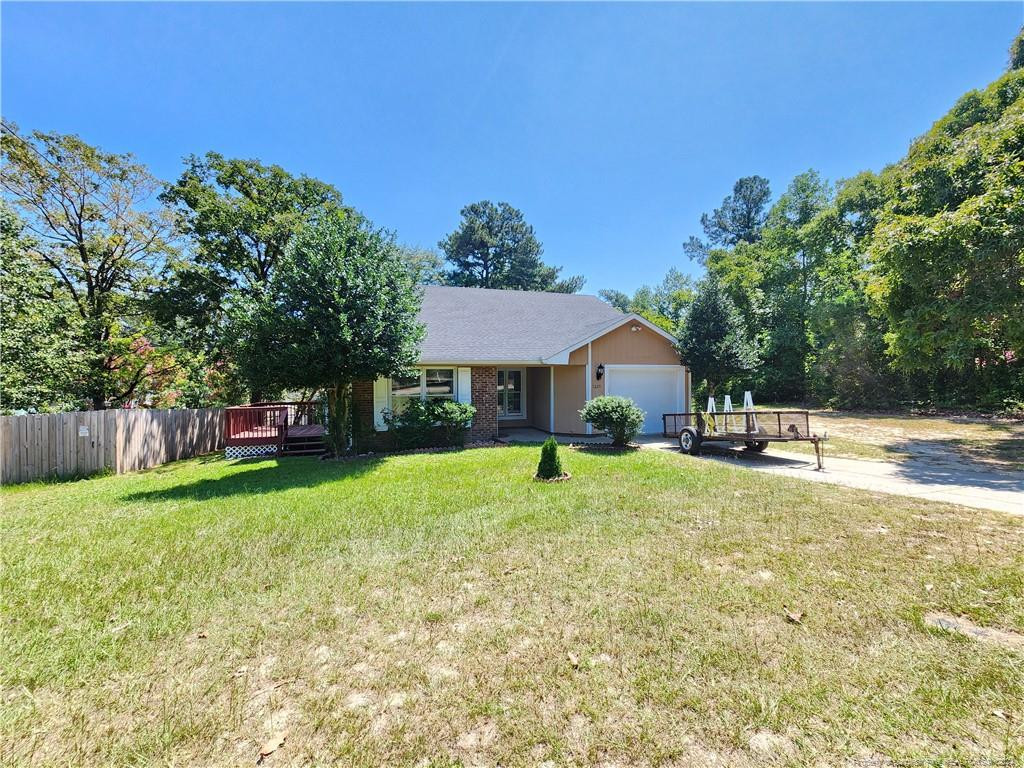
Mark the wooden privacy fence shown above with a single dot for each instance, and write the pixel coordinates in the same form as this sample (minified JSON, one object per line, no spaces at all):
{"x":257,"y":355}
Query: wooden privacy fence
{"x":45,"y":445}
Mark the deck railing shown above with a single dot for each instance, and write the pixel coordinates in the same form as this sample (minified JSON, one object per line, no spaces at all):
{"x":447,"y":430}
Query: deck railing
{"x":266,"y":423}
{"x":299,"y":413}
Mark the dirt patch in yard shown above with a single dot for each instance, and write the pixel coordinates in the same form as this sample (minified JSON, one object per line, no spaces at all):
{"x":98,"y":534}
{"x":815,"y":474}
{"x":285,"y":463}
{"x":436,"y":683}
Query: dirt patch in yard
{"x":989,"y":443}
{"x":961,"y":625}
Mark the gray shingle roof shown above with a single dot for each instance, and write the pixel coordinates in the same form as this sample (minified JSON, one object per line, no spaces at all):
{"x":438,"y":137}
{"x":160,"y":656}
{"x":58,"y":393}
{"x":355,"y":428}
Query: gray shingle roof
{"x":485,"y":325}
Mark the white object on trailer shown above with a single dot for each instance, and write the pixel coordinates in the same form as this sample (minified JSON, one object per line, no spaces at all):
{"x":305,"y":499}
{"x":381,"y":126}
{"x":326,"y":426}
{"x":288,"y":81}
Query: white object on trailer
{"x":748,"y":405}
{"x":727,"y":409}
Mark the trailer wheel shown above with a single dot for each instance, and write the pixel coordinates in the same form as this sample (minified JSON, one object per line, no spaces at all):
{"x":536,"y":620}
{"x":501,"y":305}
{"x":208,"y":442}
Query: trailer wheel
{"x":758,"y":446}
{"x":689,"y":441}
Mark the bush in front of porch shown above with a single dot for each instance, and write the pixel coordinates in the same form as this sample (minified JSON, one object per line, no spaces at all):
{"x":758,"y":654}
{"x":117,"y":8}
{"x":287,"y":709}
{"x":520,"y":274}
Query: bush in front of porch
{"x":618,"y":416}
{"x":430,"y":423}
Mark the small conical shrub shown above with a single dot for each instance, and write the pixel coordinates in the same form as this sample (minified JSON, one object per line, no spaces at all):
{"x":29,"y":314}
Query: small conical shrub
{"x":550,"y":465}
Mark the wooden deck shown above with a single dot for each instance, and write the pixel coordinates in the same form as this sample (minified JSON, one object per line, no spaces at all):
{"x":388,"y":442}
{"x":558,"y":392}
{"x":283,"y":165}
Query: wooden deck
{"x":281,"y":423}
{"x":261,"y":435}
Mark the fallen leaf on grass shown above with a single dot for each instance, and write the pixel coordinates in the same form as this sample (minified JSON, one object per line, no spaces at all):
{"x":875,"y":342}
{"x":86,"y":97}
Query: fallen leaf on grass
{"x":271,"y":747}
{"x":574,"y":660}
{"x":794,"y":617}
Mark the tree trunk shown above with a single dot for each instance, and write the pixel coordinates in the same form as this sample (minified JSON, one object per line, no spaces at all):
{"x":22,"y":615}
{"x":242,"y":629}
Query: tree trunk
{"x":338,"y":417}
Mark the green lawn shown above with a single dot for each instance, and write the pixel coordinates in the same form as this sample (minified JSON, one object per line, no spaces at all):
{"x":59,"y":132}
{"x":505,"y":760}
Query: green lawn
{"x":446,"y":609}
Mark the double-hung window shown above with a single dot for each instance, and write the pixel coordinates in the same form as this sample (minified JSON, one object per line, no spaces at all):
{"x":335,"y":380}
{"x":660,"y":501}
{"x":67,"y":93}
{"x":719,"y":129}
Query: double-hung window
{"x":428,"y":384}
{"x":439,"y":383}
{"x":510,"y":393}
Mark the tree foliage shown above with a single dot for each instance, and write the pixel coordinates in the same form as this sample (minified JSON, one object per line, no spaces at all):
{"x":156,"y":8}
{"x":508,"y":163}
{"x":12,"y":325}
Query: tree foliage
{"x":714,"y":342}
{"x":494,"y":247}
{"x":241,"y":215}
{"x":550,"y":465}
{"x":742,"y":214}
{"x":426,"y":265}
{"x":1017,"y":52}
{"x":237,"y":218}
{"x":43,"y":364}
{"x":87,"y":212}
{"x":664,"y":304}
{"x":948,"y":249}
{"x":340,"y":305}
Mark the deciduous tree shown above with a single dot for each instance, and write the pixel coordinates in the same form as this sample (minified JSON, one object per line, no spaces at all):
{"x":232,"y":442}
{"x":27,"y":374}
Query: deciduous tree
{"x":43,"y":366}
{"x":90,"y":214}
{"x":341,"y":305}
{"x":948,"y":250}
{"x":237,"y":218}
{"x":664,"y":304}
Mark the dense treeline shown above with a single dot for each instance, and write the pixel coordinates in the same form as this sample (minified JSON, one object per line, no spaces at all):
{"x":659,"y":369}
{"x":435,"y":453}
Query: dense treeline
{"x":892,"y":288}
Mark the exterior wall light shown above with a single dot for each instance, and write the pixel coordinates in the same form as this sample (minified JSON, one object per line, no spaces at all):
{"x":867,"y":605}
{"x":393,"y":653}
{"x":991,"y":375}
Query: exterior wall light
{"x":600,"y":371}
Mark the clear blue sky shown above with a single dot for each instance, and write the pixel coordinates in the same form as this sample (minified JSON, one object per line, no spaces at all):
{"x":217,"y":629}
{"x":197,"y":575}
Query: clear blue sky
{"x":611,"y":126}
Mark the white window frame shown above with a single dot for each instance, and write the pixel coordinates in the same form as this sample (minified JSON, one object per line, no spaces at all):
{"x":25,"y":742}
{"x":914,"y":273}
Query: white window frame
{"x":423,"y":386}
{"x":522,"y":378}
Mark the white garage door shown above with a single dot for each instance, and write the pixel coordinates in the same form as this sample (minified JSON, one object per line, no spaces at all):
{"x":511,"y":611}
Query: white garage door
{"x":656,"y":389}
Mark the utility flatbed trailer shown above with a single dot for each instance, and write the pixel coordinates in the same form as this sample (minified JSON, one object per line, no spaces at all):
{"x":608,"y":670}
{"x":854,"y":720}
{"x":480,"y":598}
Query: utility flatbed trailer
{"x":755,"y":429}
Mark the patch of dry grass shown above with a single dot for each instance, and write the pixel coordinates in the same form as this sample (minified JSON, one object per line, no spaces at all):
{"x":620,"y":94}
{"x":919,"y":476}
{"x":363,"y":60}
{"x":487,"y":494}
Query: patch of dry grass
{"x":445,"y":609}
{"x":891,"y":437}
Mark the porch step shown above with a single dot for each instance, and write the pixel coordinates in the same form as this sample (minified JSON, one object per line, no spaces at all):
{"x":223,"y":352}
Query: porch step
{"x":303,"y":446}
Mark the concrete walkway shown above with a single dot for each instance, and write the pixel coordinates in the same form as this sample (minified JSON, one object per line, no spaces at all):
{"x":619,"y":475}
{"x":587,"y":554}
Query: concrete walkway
{"x":939,"y":477}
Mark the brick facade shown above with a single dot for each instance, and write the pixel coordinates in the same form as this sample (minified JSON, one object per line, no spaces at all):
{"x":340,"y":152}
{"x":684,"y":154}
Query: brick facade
{"x":485,"y":399}
{"x":365,"y":436}
{"x":484,"y":396}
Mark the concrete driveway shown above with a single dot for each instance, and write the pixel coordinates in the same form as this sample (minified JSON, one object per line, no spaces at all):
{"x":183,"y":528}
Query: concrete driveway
{"x":946,"y":478}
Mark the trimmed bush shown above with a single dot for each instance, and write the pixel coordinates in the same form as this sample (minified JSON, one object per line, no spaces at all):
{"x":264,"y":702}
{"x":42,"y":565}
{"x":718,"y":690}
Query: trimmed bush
{"x":618,"y":416}
{"x":550,"y":466}
{"x":453,"y":419}
{"x":430,"y":423}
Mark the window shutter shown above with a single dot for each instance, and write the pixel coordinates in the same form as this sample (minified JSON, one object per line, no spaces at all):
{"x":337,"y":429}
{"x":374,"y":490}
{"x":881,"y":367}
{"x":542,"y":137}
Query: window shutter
{"x":380,"y":403}
{"x":465,"y":386}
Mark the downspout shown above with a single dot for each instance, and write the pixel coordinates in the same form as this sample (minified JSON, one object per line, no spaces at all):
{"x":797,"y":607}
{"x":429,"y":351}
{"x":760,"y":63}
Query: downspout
{"x":551,"y":399}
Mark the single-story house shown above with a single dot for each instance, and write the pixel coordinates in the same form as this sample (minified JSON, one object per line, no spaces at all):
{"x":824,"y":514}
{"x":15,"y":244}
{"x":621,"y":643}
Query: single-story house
{"x":531,"y":359}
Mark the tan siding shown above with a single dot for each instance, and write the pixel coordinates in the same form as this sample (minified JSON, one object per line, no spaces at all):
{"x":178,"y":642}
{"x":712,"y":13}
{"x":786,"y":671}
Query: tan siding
{"x":579,"y":356}
{"x":625,"y":347}
{"x":538,"y":406}
{"x":570,"y":396}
